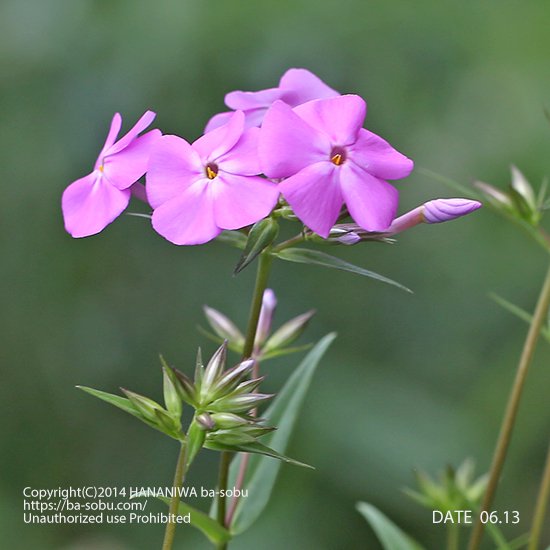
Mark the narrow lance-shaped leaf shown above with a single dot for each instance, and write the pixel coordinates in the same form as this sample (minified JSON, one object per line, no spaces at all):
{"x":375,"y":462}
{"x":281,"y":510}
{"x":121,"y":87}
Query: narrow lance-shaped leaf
{"x":262,"y":234}
{"x":315,"y":257}
{"x":116,"y":400}
{"x":389,"y":535}
{"x":255,"y":447}
{"x":283,"y":413}
{"x":124,"y":404}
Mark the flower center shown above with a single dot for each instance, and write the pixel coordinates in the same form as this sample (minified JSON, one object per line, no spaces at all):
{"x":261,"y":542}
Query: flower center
{"x":211,"y":170}
{"x":338,"y":155}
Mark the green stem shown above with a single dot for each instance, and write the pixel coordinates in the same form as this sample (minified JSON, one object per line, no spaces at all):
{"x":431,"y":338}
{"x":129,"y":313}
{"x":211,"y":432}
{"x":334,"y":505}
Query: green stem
{"x":540,"y":507}
{"x":290,"y":242}
{"x":225,"y":461}
{"x":453,"y":536}
{"x":262,"y":276}
{"x":512,"y":406}
{"x":174,"y":503}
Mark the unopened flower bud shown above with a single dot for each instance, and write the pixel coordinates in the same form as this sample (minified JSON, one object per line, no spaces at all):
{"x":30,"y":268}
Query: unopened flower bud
{"x":289,"y":332}
{"x":444,"y":210}
{"x":239,"y":403}
{"x":231,"y":378}
{"x":223,"y":326}
{"x":269,"y":303}
{"x":226,"y":421}
{"x":434,"y":211}
{"x":497,"y":197}
{"x":212,"y":372}
{"x":523,"y":188}
{"x":205,"y":421}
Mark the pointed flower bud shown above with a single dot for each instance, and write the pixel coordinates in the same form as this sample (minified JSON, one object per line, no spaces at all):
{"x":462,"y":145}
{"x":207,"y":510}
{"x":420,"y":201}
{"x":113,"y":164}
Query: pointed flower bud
{"x":186,"y":388}
{"x":289,"y":332}
{"x":269,"y":303}
{"x":224,"y":421}
{"x":231,"y":378}
{"x":444,"y":210}
{"x":205,"y":421}
{"x":239,"y":403}
{"x":172,"y":398}
{"x":230,"y":437}
{"x":223,"y":326}
{"x":212,"y":372}
{"x":523,"y":188}
{"x":497,"y":197}
{"x":143,"y":404}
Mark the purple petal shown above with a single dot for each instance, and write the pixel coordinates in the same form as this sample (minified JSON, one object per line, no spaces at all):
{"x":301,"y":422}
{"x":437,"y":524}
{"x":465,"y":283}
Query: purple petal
{"x":116,"y":124}
{"x":242,"y":200}
{"x":189,"y":217}
{"x":214,"y":144}
{"x":444,"y":210}
{"x":217,"y":120}
{"x":288,"y":144}
{"x":340,"y":117}
{"x":124,"y":168}
{"x":139,"y":126}
{"x":375,"y":155}
{"x":371,"y":202}
{"x":91,"y":203}
{"x":244,"y":101}
{"x":139,"y":192}
{"x":301,"y":85}
{"x":314,"y":195}
{"x":243,"y":157}
{"x":173,"y":166}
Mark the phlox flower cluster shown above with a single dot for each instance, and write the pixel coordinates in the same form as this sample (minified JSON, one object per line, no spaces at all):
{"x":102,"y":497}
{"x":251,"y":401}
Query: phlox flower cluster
{"x":300,"y":145}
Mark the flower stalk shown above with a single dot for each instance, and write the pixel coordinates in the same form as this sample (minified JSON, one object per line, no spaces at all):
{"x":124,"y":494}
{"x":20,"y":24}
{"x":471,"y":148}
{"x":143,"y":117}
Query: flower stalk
{"x":262,"y":277}
{"x":512,"y":407}
{"x":179,"y":476}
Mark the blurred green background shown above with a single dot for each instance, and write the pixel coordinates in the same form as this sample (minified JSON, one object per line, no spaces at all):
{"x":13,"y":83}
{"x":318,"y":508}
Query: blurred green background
{"x":413,"y":381}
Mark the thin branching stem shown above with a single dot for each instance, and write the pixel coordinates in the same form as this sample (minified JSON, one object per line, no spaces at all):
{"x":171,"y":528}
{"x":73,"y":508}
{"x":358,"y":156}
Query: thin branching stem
{"x":512,"y":406}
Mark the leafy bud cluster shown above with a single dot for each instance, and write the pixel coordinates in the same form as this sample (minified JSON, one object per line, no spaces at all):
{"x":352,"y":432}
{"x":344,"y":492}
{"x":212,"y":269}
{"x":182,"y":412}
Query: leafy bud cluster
{"x":268,"y":344}
{"x":519,"y":200}
{"x":456,"y":489}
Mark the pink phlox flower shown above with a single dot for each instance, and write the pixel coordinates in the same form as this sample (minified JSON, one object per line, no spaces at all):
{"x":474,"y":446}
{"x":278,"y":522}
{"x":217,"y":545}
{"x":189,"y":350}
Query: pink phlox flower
{"x":197,"y":190}
{"x":328,"y":159}
{"x":91,"y":203}
{"x":296,"y":86}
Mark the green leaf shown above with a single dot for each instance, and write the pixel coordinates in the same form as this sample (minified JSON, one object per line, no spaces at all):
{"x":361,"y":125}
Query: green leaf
{"x":201,"y":521}
{"x":315,"y":257}
{"x":389,"y":535}
{"x":262,"y":234}
{"x":283,"y":413}
{"x":116,"y":400}
{"x":255,"y":447}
